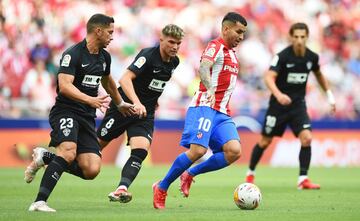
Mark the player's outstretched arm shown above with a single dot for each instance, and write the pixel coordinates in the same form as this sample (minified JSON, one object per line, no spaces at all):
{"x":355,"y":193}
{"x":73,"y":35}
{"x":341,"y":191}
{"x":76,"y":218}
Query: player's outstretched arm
{"x":109,"y":85}
{"x":325,"y":86}
{"x":128,"y":88}
{"x":270,"y":77}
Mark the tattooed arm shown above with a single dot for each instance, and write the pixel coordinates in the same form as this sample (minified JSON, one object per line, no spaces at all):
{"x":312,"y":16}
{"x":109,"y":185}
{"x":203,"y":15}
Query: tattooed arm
{"x":205,"y":77}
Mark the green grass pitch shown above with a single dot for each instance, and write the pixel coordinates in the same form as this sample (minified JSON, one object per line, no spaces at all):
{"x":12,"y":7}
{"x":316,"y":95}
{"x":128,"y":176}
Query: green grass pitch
{"x":211,"y":197}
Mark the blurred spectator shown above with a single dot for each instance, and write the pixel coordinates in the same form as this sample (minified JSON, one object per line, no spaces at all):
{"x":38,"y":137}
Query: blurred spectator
{"x":38,"y":88}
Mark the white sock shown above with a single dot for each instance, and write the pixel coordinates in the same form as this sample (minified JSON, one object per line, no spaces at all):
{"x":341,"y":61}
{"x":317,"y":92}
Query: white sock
{"x":302,"y":178}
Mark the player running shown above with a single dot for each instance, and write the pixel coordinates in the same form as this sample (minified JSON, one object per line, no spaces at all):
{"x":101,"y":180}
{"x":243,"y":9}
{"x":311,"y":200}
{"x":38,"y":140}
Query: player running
{"x":286,"y":79}
{"x":208,"y":123}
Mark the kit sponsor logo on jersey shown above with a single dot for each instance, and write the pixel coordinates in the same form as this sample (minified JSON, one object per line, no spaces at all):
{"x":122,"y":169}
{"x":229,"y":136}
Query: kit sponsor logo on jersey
{"x":66,"y":60}
{"x":140,"y":62}
{"x":231,"y":69}
{"x":91,"y":80}
{"x":157,"y":85}
{"x":297,"y":78}
{"x":104,"y":65}
{"x":84,"y":65}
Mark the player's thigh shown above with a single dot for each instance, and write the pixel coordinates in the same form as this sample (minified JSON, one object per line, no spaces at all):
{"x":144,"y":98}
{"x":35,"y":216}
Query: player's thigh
{"x":140,"y":133}
{"x":300,"y":120}
{"x":112,"y":125}
{"x":222,"y":134}
{"x":199,"y":123}
{"x":87,"y":140}
{"x":275,"y":122}
{"x":65,"y":128}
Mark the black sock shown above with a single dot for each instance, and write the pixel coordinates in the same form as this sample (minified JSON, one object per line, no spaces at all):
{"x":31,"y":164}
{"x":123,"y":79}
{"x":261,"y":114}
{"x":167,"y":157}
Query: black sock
{"x":132,"y":166}
{"x":48,"y":157}
{"x":75,"y":170}
{"x":51,"y":176}
{"x":304,"y":159}
{"x":255,"y":156}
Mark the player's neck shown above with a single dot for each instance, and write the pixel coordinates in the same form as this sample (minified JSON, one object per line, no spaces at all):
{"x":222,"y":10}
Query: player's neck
{"x":164,"y":57}
{"x":299,"y":52}
{"x":92,"y":46}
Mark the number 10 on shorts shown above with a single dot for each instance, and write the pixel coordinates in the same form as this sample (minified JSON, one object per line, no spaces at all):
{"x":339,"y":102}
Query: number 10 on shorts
{"x":204,"y":124}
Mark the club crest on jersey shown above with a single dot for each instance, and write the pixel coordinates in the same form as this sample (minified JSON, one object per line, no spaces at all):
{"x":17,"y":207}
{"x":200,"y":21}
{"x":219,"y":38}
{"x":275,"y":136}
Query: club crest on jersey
{"x":199,"y":135}
{"x":210,"y":52}
{"x":157,"y":85}
{"x":66,"y":132}
{"x":66,"y":60}
{"x":104,"y":65}
{"x":309,"y":65}
{"x":140,"y":62}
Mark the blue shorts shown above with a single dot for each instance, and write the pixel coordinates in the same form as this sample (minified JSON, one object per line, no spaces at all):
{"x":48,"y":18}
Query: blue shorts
{"x":209,"y":128}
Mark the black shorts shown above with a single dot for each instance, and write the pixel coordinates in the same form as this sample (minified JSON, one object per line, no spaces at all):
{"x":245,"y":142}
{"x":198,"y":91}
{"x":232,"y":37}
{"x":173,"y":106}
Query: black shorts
{"x":69,"y":126}
{"x":277,"y":118}
{"x":114,"y":124}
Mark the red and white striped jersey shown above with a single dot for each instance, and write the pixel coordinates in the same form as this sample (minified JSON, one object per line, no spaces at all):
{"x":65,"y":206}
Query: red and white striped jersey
{"x":223,"y":76}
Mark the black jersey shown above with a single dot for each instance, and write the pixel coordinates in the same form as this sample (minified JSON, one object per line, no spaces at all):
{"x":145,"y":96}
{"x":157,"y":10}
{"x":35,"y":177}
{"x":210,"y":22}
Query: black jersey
{"x":152,"y":73}
{"x":87,"y":69}
{"x":293,"y":72}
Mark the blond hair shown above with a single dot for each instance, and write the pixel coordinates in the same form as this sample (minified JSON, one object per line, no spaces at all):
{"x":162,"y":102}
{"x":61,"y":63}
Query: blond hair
{"x":173,"y":31}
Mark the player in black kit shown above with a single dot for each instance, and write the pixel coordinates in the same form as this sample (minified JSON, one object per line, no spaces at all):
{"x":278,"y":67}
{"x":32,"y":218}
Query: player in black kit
{"x":286,"y":79}
{"x":142,"y":84}
{"x":82,"y":68}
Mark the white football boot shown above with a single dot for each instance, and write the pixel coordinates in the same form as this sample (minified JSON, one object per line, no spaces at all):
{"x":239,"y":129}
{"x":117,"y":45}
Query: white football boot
{"x":35,"y":165}
{"x":40,"y":206}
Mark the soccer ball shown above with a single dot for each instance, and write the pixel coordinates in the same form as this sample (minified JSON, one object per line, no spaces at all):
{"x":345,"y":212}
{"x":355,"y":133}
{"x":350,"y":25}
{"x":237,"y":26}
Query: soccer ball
{"x":247,"y":196}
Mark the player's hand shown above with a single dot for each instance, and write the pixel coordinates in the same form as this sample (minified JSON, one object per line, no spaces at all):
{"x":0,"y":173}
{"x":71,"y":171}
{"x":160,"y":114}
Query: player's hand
{"x":210,"y":97}
{"x":283,"y":99}
{"x":100,"y":102}
{"x":126,"y":109}
{"x":140,"y":110}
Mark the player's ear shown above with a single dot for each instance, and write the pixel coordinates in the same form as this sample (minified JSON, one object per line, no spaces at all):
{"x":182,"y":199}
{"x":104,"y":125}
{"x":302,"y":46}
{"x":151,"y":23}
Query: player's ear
{"x":98,"y":31}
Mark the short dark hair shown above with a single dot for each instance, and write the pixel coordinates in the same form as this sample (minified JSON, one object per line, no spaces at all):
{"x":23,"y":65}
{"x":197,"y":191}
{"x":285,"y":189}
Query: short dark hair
{"x":98,"y":20}
{"x":298,"y":25}
{"x":234,"y":17}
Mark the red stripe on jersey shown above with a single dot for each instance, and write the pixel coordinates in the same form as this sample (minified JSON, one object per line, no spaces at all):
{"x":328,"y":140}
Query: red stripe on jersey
{"x":198,"y":99}
{"x":223,"y":85}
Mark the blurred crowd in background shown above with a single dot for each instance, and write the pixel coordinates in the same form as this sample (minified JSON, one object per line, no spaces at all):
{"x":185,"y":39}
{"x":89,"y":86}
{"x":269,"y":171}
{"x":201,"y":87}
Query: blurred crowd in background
{"x":33,"y":34}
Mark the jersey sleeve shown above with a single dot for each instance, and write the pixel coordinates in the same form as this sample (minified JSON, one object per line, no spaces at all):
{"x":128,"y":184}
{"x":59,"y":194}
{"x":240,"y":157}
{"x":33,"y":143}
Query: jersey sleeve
{"x":108,"y":63}
{"x":140,"y":62}
{"x":211,"y":51}
{"x":275,"y":64}
{"x":316,"y":65}
{"x":69,"y":62}
{"x":176,"y":61}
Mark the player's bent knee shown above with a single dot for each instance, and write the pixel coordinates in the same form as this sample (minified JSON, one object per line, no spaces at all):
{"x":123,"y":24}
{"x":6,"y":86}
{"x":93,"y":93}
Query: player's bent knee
{"x":306,"y":142}
{"x":91,"y":173}
{"x":232,"y":151}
